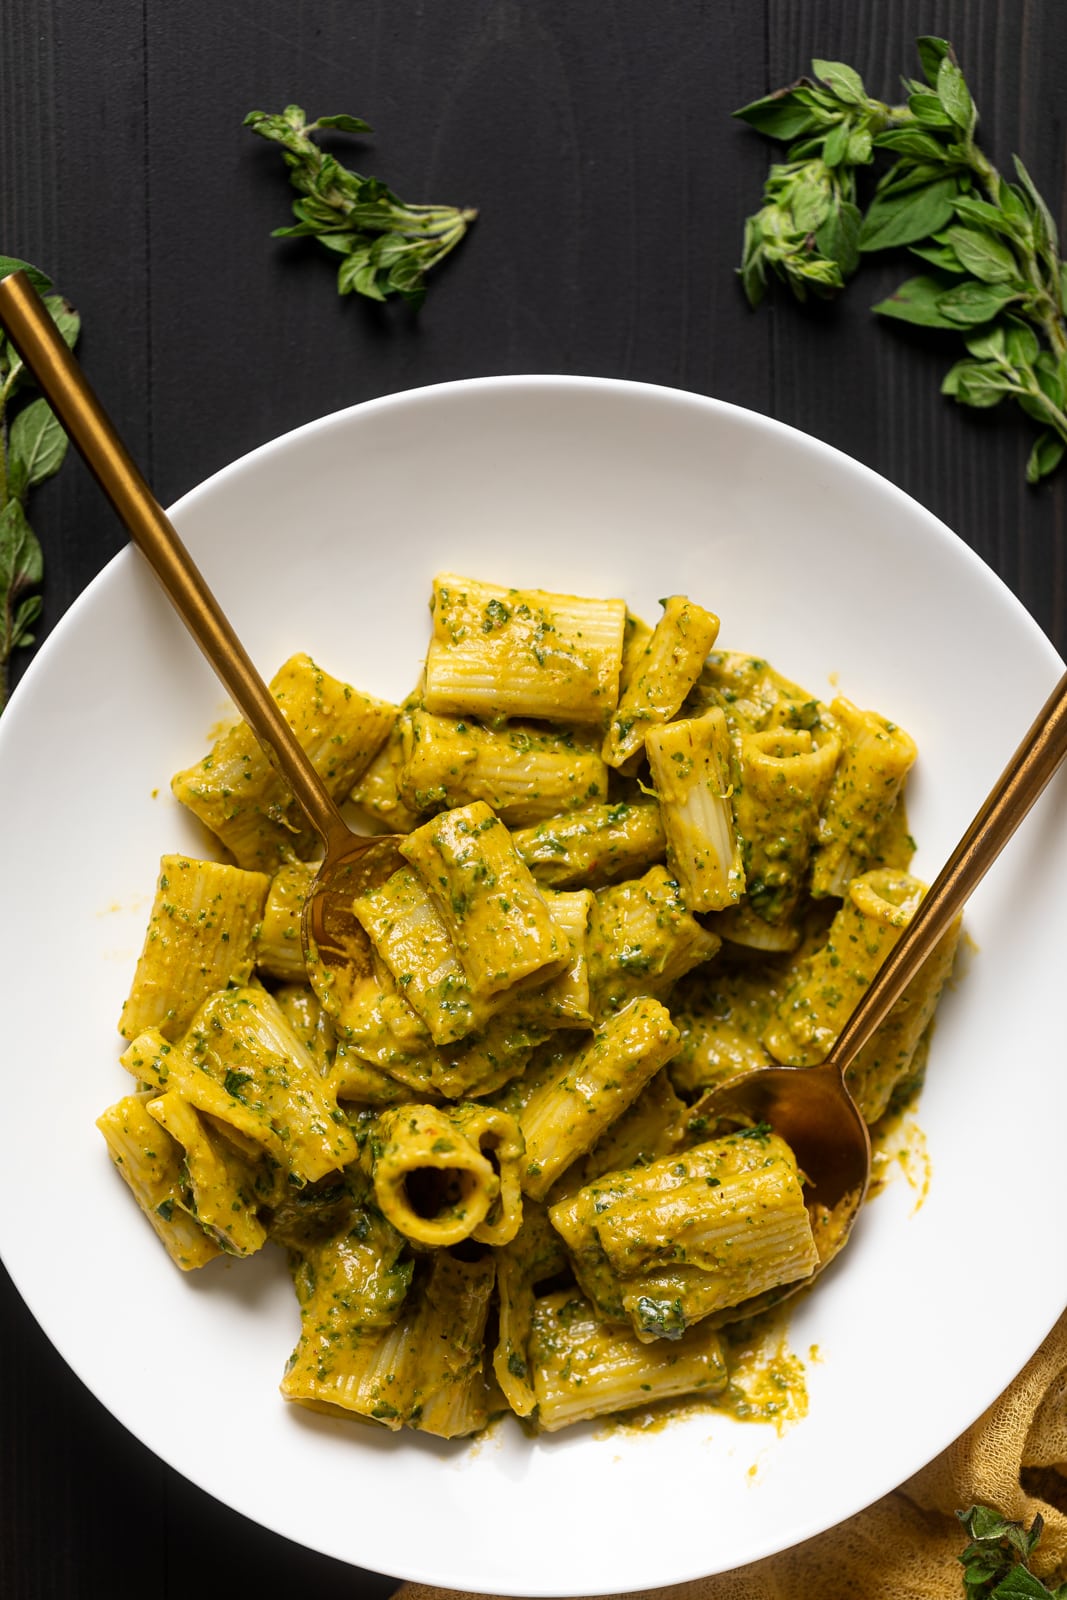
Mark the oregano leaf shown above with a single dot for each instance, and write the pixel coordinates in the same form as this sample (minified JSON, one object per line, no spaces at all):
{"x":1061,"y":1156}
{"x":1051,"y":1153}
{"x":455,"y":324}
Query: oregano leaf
{"x":782,"y":116}
{"x":954,"y":95}
{"x":928,"y":111}
{"x":983,"y":254}
{"x":941,"y":256}
{"x":26,"y":614}
{"x":972,"y":302}
{"x":21,"y":565}
{"x":992,"y":341}
{"x":905,"y":219}
{"x":917,"y":301}
{"x":344,"y":123}
{"x":40,"y":280}
{"x":932,"y":52}
{"x":37,"y":439}
{"x":845,"y":81}
{"x":994,"y":277}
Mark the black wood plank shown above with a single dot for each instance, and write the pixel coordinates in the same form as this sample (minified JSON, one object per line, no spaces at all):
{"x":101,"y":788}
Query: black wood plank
{"x":874,"y":386}
{"x":73,"y":201}
{"x":596,"y":141}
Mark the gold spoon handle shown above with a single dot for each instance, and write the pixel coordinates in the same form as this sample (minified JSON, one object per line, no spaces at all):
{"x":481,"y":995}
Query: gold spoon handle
{"x":1023,"y":779}
{"x":62,"y":382}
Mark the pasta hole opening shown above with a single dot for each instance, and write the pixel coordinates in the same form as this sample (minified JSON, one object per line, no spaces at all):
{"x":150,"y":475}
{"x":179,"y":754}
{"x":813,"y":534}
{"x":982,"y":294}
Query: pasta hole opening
{"x":470,"y":1250}
{"x":432,"y":1193}
{"x":489,"y":1146}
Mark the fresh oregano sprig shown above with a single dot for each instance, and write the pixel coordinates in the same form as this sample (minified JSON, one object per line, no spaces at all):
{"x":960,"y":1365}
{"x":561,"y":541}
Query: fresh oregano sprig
{"x":996,"y":1563}
{"x":32,"y":447}
{"x":386,"y":247}
{"x":989,"y":245}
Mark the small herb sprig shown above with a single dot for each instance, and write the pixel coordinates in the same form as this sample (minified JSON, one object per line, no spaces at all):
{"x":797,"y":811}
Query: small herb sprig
{"x":996,"y":1562}
{"x":32,"y":447}
{"x":386,"y":247}
{"x":994,"y":273}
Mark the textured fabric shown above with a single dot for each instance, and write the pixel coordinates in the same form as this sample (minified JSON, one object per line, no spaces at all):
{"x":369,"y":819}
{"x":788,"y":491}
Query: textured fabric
{"x":906,"y":1547}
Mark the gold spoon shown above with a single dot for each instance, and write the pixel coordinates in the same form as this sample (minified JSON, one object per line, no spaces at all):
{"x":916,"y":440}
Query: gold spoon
{"x":334,"y":943}
{"x":811,"y":1107}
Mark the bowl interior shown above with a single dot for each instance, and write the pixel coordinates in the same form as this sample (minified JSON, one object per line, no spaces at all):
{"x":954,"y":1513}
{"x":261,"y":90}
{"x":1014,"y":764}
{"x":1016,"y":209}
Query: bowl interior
{"x":327,"y":540}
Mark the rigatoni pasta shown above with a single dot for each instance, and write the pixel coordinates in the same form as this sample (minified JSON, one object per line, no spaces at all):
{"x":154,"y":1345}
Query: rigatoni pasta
{"x":629,"y":866}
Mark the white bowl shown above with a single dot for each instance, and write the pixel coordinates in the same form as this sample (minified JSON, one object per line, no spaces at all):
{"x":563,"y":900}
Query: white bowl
{"x":327,"y":540}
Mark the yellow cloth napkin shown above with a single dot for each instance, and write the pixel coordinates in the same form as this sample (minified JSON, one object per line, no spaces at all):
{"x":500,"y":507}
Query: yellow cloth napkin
{"x":906,"y":1546}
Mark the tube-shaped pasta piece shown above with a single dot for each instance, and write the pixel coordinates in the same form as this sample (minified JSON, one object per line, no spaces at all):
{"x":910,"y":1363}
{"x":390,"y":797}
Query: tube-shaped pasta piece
{"x":524,"y":772}
{"x":642,"y":939}
{"x":495,"y":914}
{"x":449,"y":1347}
{"x":309,"y":1021}
{"x":496,"y":1134}
{"x":690,"y":762}
{"x":479,"y":1064}
{"x":355,"y":1080}
{"x":407,"y":930}
{"x":377,"y":791}
{"x":279,"y":948}
{"x":731,"y":1210}
{"x":410,"y":937}
{"x":385,"y":1050}
{"x":236,"y":792}
{"x":201,"y":936}
{"x":350,"y":1267}
{"x":219,"y":1187}
{"x":886,"y":1059}
{"x":242,"y":1063}
{"x":150,"y":1162}
{"x":533,"y":1257}
{"x":582,"y":1369}
{"x":644,"y":1133}
{"x":741,"y":926}
{"x":635,"y":638}
{"x":665,"y":1301}
{"x":785,"y":774}
{"x":426,"y":1371}
{"x":732,"y":1228}
{"x":875,"y":761}
{"x":522,"y":653}
{"x":721,"y":1023}
{"x":356,"y":1371}
{"x":434,"y":1183}
{"x":662,"y":675}
{"x":576,"y":1094}
{"x":486,"y":1061}
{"x":377,"y":1024}
{"x":595,"y":845}
{"x":874,"y":913}
{"x":753,"y":695}
{"x":563,"y":1001}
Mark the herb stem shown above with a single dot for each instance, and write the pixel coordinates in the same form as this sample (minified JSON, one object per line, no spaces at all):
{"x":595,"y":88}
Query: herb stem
{"x":993,"y":273}
{"x":386,"y":245}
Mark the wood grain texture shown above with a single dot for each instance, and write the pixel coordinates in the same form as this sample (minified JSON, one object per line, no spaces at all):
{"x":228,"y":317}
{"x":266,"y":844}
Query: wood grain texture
{"x":596,"y":140}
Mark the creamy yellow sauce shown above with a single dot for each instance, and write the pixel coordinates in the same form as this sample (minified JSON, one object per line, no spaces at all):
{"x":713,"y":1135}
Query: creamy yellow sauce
{"x":767,"y":1383}
{"x":899,"y":1149}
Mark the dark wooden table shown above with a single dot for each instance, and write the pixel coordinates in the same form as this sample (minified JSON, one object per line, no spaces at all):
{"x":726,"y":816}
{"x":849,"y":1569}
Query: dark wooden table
{"x":596,"y":140}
